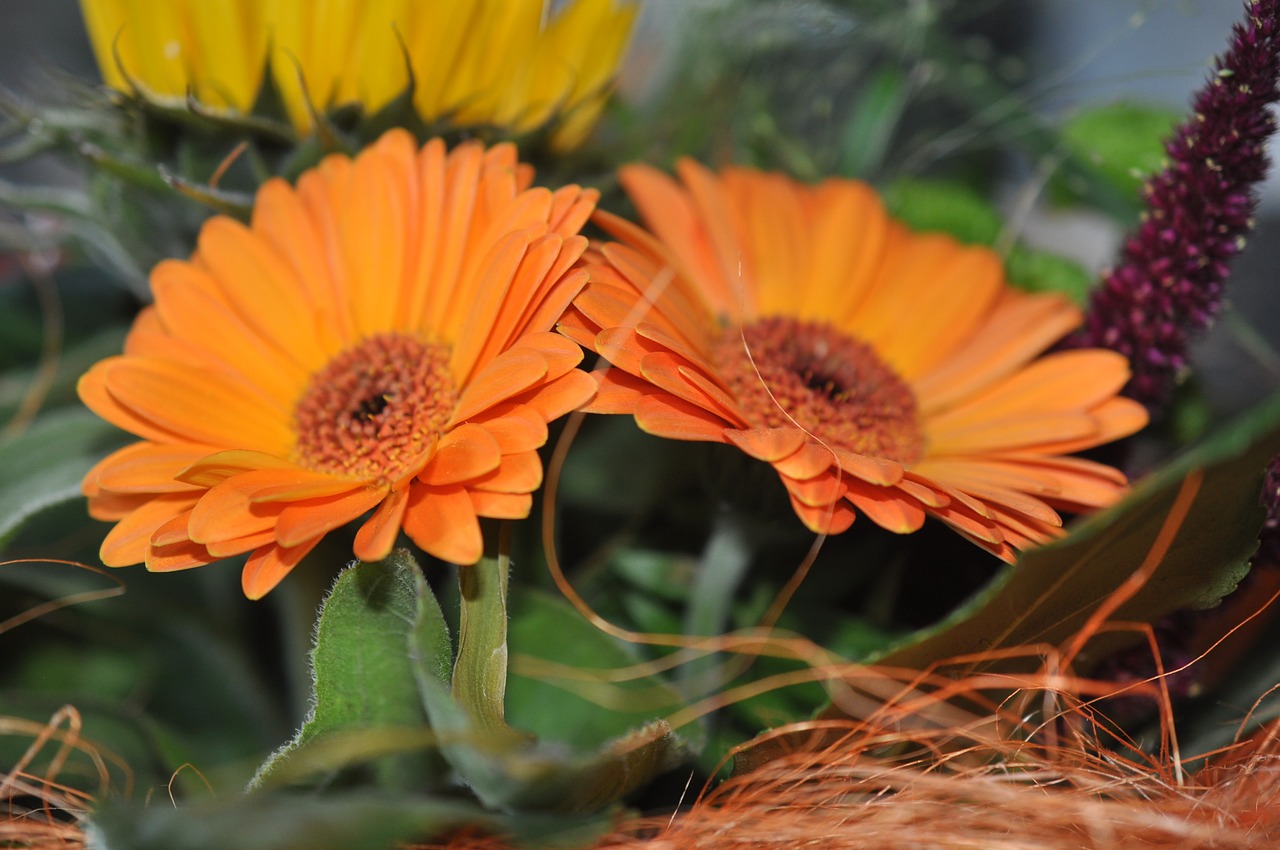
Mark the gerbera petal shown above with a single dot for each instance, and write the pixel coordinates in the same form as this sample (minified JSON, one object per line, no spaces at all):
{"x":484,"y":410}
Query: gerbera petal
{"x":219,"y":466}
{"x":817,"y":491}
{"x":1013,"y":433}
{"x":1052,"y":383}
{"x":443,"y":523}
{"x":832,"y":518}
{"x":509,"y":374}
{"x":500,"y":505}
{"x":312,"y":518}
{"x":515,"y":427}
{"x":199,"y":407}
{"x":770,"y":445}
{"x":1019,"y":328}
{"x":564,"y":394}
{"x":240,"y":545}
{"x":665,"y":416}
{"x":267,"y":566}
{"x":127,"y":543}
{"x":378,"y":534}
{"x":888,"y":507}
{"x":147,"y":468}
{"x":179,"y":556}
{"x":465,"y":453}
{"x":518,"y":473}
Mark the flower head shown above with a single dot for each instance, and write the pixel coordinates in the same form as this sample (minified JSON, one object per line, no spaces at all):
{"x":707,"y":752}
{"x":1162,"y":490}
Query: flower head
{"x":878,"y":370}
{"x":506,"y":63}
{"x":377,"y":339}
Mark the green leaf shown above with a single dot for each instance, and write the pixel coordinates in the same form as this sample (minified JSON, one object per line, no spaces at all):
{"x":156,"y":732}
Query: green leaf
{"x":1039,"y":271}
{"x":506,"y":769}
{"x":547,"y":627}
{"x":363,"y":673}
{"x":336,"y":821}
{"x":1122,"y":142}
{"x":43,"y":466}
{"x":1051,"y":591}
{"x":872,"y":123}
{"x":944,"y":206}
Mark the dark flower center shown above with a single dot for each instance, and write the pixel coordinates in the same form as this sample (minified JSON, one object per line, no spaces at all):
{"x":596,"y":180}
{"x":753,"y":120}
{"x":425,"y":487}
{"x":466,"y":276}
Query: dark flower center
{"x":787,"y":372}
{"x":375,"y":408}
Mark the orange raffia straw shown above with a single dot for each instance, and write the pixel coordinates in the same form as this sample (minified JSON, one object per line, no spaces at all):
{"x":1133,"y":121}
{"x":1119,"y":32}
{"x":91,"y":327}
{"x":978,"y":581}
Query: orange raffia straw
{"x":38,"y":811}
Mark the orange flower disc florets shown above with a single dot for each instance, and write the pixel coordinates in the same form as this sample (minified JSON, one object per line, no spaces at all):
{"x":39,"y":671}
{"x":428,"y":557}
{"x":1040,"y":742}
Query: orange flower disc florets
{"x":786,"y":372}
{"x":375,"y":408}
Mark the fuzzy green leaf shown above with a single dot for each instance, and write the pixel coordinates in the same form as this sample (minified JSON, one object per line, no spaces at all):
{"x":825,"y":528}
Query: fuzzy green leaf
{"x":363,"y":673}
{"x":508,"y":770}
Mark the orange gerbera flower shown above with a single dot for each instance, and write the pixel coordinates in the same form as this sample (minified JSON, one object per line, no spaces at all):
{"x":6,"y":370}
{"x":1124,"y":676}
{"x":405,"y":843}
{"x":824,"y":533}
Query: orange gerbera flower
{"x":376,"y":339}
{"x":878,"y":370}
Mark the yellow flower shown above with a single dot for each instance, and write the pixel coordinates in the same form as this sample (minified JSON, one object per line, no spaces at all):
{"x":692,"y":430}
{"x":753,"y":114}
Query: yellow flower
{"x":879,"y":371}
{"x":507,"y":63}
{"x":376,"y":340}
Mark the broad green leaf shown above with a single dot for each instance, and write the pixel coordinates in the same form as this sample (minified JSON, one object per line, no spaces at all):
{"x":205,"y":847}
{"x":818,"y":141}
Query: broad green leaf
{"x":336,"y":821}
{"x":506,"y":769}
{"x":1040,"y":271}
{"x":43,"y":465}
{"x":544,"y":626}
{"x":1123,"y":142}
{"x":945,"y":206}
{"x":1050,"y":592}
{"x":363,"y":673}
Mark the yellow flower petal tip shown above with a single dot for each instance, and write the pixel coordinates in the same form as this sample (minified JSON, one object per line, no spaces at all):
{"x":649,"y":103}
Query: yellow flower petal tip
{"x":499,"y":63}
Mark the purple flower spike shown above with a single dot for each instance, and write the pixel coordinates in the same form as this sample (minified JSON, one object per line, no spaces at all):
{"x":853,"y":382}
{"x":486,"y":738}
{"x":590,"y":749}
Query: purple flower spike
{"x":1198,"y":210}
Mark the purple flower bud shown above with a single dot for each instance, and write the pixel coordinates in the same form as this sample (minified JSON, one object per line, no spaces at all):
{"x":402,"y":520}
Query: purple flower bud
{"x":1170,"y":278}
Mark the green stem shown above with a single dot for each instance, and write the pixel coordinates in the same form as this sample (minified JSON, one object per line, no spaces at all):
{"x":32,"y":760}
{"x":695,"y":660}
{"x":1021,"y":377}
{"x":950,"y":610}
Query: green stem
{"x":480,"y":671}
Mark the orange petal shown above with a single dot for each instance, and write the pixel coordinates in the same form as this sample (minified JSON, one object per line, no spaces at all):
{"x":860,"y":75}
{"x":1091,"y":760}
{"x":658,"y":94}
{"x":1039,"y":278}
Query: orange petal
{"x":200,"y":407}
{"x":464,"y":453}
{"x":516,"y":427}
{"x":833,"y":518}
{"x":240,"y":545}
{"x":561,"y":396}
{"x":180,"y":556}
{"x":769,"y":444}
{"x":873,"y":470}
{"x":501,"y":505}
{"x":673,"y":418}
{"x":822,"y":490}
{"x":147,"y":468}
{"x":888,"y":507}
{"x":1065,"y":381}
{"x":378,"y":535}
{"x":127,"y":543}
{"x":1015,"y":432}
{"x":508,"y":374}
{"x":268,"y":565}
{"x":616,"y":392}
{"x":219,"y":466}
{"x":443,"y":523}
{"x":313,"y":518}
{"x":519,"y":473}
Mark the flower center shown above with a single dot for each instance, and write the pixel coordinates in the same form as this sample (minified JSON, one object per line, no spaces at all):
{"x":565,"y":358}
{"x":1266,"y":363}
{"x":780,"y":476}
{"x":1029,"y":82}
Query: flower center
{"x":375,"y":407}
{"x":832,"y":385}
